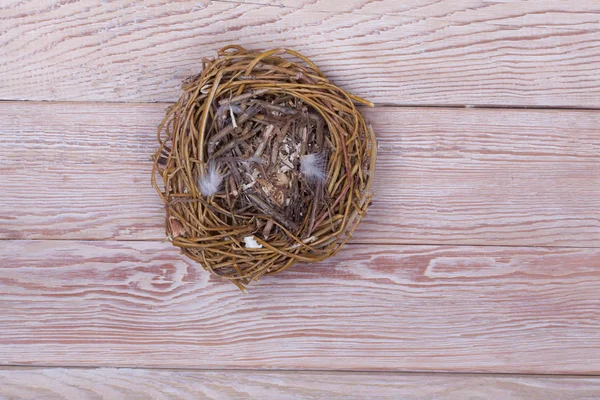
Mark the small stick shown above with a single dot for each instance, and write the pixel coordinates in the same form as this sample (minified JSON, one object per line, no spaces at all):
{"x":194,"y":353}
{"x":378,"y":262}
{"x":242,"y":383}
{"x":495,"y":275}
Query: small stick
{"x":264,"y":173}
{"x":262,"y":120}
{"x":267,"y":229}
{"x":304,"y":140}
{"x":234,"y":172}
{"x":315,"y":206}
{"x":280,"y":136}
{"x":267,"y":209}
{"x":283,"y":99}
{"x":279,"y":109}
{"x":233,"y":186}
{"x":241,"y":97}
{"x":245,"y":136}
{"x":246,"y":115}
{"x":275,"y":149}
{"x":319,"y":130}
{"x":264,"y":140}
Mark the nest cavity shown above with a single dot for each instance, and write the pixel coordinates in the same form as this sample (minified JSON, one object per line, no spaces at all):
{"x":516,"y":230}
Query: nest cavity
{"x":263,"y":163}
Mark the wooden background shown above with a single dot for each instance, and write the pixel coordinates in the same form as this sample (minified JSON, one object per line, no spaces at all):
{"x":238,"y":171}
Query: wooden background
{"x":476,"y":274}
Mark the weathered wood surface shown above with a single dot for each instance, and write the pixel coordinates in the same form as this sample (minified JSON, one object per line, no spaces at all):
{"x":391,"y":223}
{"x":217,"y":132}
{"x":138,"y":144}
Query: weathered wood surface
{"x":142,"y":384}
{"x":537,"y":53}
{"x":392,"y":308}
{"x":444,"y":176}
{"x":414,"y":296}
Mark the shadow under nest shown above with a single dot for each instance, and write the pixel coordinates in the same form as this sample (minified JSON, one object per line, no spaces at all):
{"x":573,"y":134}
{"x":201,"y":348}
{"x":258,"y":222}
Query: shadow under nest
{"x":264,"y":163}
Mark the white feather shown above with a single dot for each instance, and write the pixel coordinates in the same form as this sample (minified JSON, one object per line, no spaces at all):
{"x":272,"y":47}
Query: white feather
{"x":312,"y":166}
{"x":236,"y":109}
{"x":210,"y":182}
{"x":251,"y":243}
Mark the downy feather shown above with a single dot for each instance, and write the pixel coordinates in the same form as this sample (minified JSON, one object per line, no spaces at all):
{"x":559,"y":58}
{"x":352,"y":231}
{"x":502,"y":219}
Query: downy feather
{"x":312,"y":166}
{"x":210,"y":182}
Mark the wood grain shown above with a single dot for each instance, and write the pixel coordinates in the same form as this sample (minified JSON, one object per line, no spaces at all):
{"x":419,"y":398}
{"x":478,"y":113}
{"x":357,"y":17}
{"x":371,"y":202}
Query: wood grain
{"x":421,"y":8}
{"x":388,"y":308}
{"x":444,"y":176}
{"x":122,"y":383}
{"x":426,"y":52}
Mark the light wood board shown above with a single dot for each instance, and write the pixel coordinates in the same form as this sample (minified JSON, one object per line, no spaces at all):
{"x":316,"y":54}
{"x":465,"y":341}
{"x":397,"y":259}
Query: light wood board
{"x":143,"y":384}
{"x":444,"y":176}
{"x":392,"y":308}
{"x":515,"y":53}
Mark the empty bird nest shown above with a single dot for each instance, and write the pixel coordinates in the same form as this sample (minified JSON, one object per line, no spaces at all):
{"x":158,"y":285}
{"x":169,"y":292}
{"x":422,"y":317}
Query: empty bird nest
{"x":264,"y":163}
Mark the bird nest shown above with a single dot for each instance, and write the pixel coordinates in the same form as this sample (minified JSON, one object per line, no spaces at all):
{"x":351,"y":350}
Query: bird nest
{"x":264,"y":163}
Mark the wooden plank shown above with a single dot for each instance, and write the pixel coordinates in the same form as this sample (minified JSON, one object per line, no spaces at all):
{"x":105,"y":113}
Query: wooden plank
{"x":445,"y":176}
{"x":421,"y":8}
{"x":123,"y":383}
{"x":388,"y":308}
{"x":419,"y":52}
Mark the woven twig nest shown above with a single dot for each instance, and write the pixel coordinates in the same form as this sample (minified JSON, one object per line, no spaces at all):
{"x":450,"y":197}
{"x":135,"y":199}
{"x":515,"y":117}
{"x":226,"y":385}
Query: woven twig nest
{"x":264,"y":163}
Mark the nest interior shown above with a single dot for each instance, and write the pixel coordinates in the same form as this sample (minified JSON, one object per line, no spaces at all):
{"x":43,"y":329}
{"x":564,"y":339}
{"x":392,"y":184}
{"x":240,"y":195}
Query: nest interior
{"x":262,"y":163}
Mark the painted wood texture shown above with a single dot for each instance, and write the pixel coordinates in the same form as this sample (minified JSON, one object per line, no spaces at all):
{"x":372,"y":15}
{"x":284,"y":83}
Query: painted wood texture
{"x":142,"y":384}
{"x":388,"y":308}
{"x":537,"y":53}
{"x":444,"y":274}
{"x":444,"y":176}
